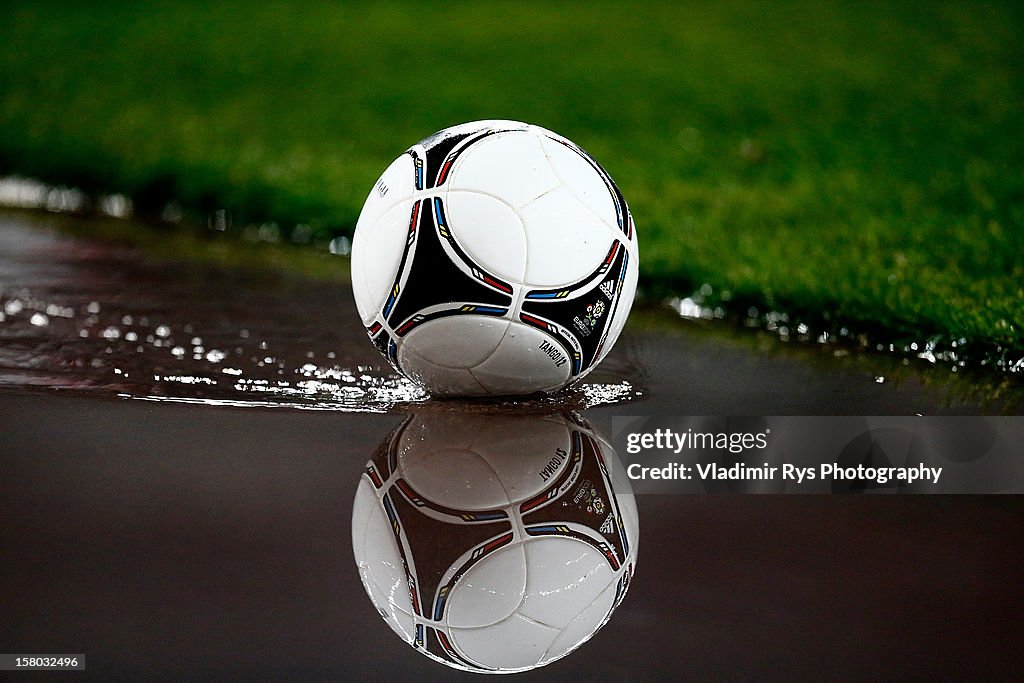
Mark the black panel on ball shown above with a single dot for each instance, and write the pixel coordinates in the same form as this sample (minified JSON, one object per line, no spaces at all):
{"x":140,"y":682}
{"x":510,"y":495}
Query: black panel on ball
{"x":437,"y":147}
{"x":434,"y":279}
{"x":584,"y":308}
{"x":440,"y":156}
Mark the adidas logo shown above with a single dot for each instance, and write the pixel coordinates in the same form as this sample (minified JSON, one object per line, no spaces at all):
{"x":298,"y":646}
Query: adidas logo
{"x":608,"y":288}
{"x":608,"y":525}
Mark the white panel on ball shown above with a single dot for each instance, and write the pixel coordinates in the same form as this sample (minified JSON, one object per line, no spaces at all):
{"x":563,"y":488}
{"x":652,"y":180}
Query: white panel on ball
{"x":522,"y":175}
{"x":380,"y":561}
{"x":376,"y":253}
{"x":425,"y":439}
{"x":510,"y":645}
{"x":443,"y":381}
{"x":579,"y":177}
{"x":365,"y":502}
{"x":459,"y":476}
{"x":402,"y":623}
{"x":555,"y":596}
{"x":522,"y":364}
{"x":490,"y":591}
{"x":515,"y":457}
{"x":457,"y":341}
{"x":564,"y":239}
{"x":583,"y":627}
{"x":395,"y":186}
{"x":490,"y":232}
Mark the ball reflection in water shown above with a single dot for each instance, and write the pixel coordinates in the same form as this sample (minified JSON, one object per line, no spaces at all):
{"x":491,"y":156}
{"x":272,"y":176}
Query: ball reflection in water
{"x":495,"y":543}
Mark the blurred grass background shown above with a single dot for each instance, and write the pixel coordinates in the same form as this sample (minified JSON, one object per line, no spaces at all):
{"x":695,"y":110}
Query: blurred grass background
{"x":861,"y":162}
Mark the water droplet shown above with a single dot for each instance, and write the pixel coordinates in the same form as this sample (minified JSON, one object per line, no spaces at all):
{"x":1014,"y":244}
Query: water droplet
{"x":342,"y":246}
{"x":39,"y":319}
{"x":93,"y":307}
{"x":163,"y":331}
{"x":268,"y":232}
{"x":687,"y":308}
{"x":879,"y":379}
{"x":178,"y":352}
{"x":302,"y":234}
{"x":220,"y":220}
{"x":116,"y":205}
{"x":13,"y":307}
{"x":172,"y":213}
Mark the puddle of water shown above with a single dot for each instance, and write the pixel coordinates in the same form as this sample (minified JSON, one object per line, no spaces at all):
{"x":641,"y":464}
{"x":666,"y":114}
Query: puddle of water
{"x":704,"y":304}
{"x":101,"y":319}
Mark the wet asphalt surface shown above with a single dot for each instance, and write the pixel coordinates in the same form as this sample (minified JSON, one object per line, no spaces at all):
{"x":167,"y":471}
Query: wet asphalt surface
{"x":176,"y":528}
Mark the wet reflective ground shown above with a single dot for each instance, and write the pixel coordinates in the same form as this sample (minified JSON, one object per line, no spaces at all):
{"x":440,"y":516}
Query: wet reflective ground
{"x":105,"y":319}
{"x":101,"y":319}
{"x":157,"y":519}
{"x":181,"y":541}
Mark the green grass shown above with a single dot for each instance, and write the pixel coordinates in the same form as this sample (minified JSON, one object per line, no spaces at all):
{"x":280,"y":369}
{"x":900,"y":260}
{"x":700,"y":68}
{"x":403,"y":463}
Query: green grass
{"x":862,"y":162}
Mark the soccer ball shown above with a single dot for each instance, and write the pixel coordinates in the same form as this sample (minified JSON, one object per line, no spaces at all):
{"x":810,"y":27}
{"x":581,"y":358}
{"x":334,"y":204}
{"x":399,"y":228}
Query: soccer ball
{"x":494,"y":543}
{"x":494,"y":258}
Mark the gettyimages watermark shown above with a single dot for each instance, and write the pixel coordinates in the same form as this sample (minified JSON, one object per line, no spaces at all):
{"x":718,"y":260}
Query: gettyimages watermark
{"x":821,"y":454}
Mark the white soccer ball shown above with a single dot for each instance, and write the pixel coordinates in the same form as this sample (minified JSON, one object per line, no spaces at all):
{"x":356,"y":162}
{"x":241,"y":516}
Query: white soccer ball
{"x":494,"y":543}
{"x":494,"y":258}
